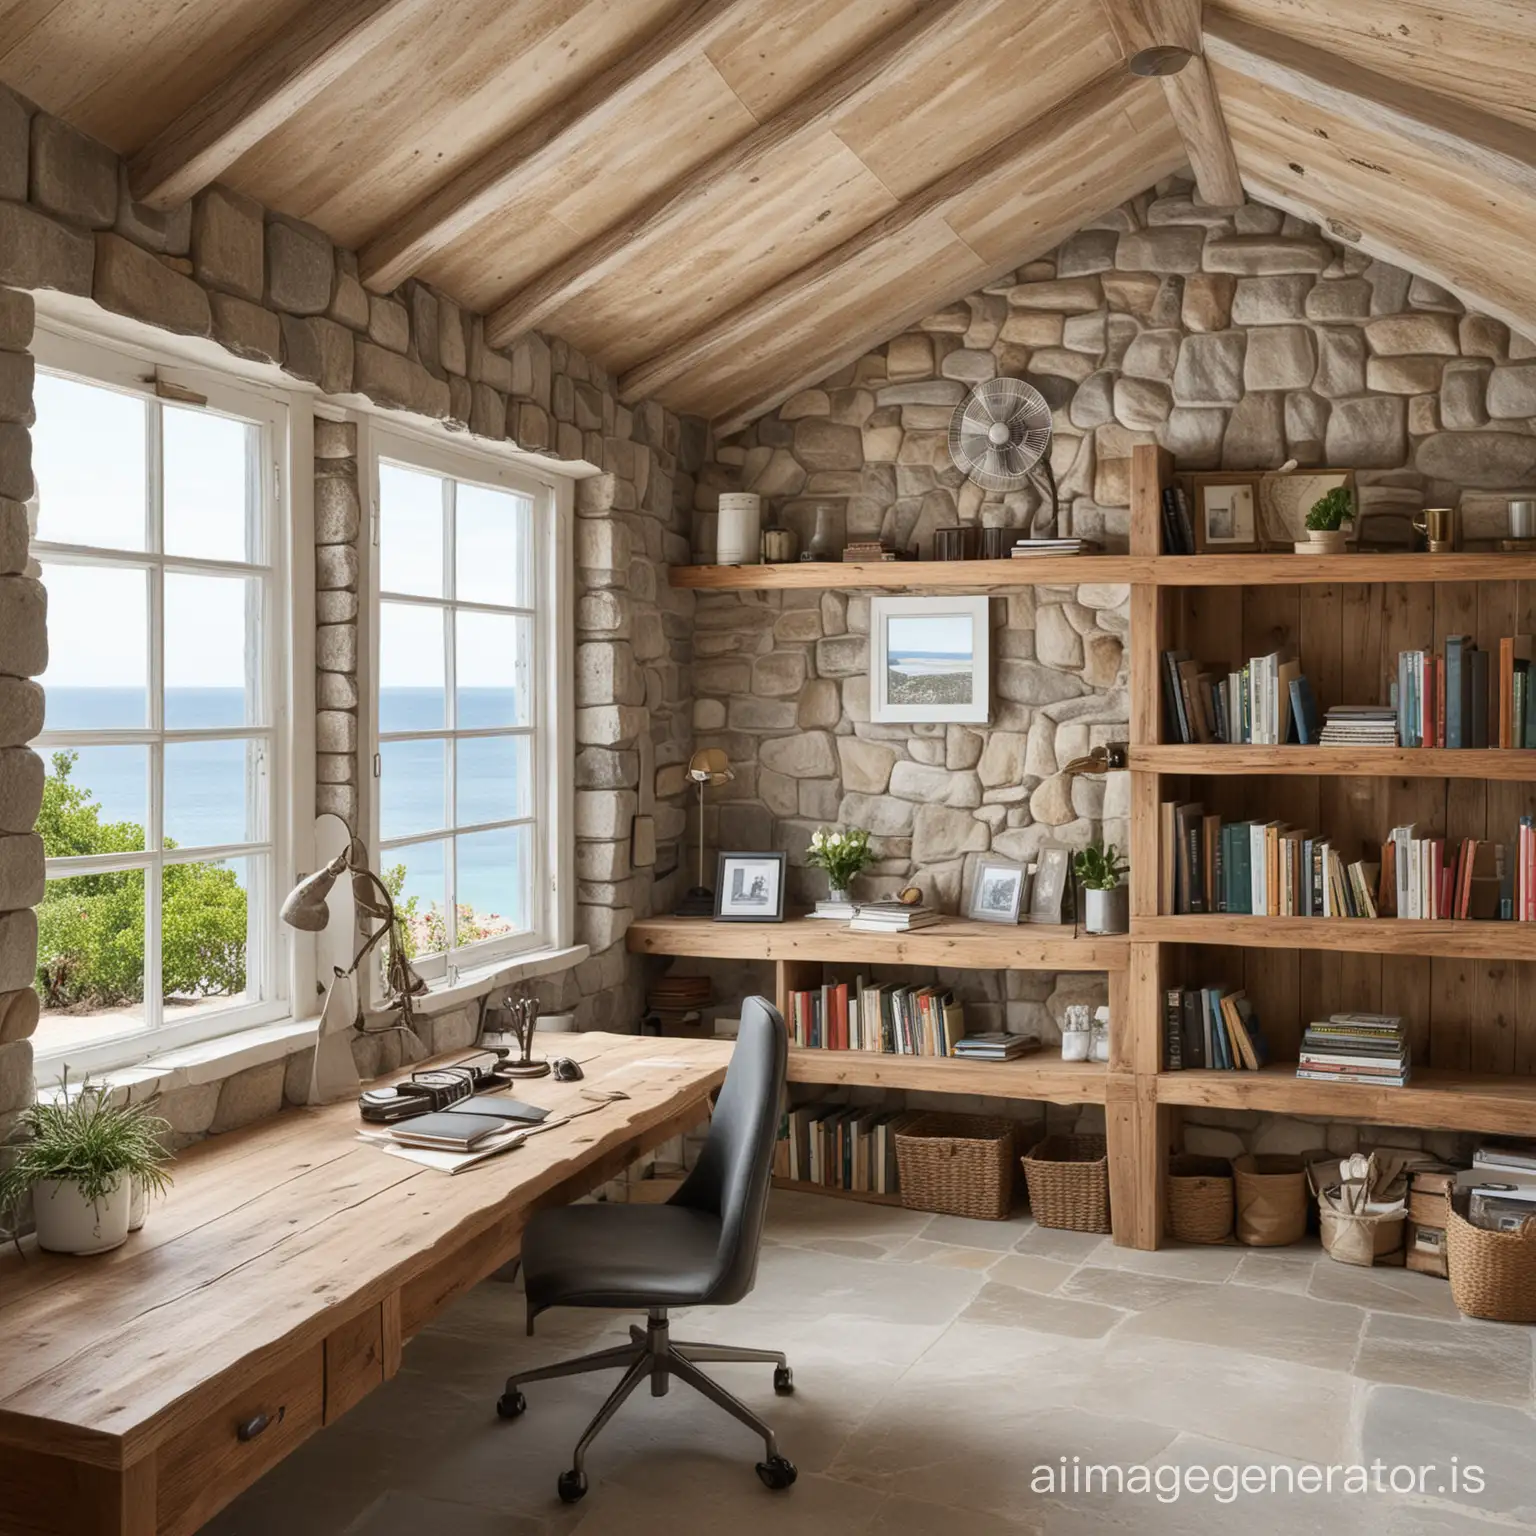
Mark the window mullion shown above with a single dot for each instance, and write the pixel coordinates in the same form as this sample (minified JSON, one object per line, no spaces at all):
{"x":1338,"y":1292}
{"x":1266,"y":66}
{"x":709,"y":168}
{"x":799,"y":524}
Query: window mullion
{"x":451,"y":706}
{"x":154,"y":994}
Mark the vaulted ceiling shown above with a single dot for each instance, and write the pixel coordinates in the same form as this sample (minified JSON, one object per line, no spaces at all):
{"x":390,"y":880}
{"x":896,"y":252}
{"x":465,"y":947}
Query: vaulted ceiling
{"x":723,"y":200}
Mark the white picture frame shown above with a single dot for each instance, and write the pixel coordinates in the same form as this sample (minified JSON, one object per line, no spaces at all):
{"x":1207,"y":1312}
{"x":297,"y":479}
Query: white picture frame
{"x":1053,"y":875}
{"x":949,"y":639}
{"x":998,"y":890}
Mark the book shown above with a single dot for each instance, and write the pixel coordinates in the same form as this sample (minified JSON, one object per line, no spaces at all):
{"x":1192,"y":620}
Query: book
{"x":448,"y":1132}
{"x":995,"y":1045}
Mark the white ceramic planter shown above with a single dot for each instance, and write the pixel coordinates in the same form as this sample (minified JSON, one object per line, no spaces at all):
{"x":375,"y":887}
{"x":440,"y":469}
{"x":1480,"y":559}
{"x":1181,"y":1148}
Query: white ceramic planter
{"x":738,"y":528}
{"x":69,"y":1223}
{"x":1324,"y":541}
{"x":1107,"y":911}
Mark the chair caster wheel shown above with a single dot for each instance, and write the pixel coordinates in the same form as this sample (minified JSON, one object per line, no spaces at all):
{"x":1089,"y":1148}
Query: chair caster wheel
{"x":778,"y":1472}
{"x":572,"y":1486}
{"x":511,"y":1405}
{"x":783,"y":1380}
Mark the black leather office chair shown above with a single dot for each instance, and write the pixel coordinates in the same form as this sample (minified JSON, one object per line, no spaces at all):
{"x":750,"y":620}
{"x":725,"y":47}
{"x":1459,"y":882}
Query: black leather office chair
{"x":699,"y":1249}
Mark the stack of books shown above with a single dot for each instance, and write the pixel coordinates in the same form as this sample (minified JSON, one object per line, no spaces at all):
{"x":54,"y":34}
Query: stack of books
{"x":897,"y":1019}
{"x":1178,"y":529}
{"x":1360,"y":725}
{"x":871,"y":549}
{"x":1024,"y":548}
{"x":1356,"y":1048}
{"x":1427,"y":877}
{"x":839,"y":1146}
{"x":995,"y":1045}
{"x":1211,"y":1027}
{"x":891,"y":917}
{"x":836,"y":911}
{"x":1502,"y":1180}
{"x":1517,"y":717}
{"x":678,"y":994}
{"x":1442,"y":700}
{"x":1265,"y":702}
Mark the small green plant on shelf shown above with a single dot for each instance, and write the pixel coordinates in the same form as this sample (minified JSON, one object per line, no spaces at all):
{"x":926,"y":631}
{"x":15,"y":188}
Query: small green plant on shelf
{"x":80,"y":1154}
{"x":1325,"y":522}
{"x":1101,"y":872}
{"x":1100,"y":868}
{"x":842,"y":854}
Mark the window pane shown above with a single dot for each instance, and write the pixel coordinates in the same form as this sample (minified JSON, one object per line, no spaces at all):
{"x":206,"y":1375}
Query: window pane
{"x":205,"y":937}
{"x":88,"y":457}
{"x":413,"y":651}
{"x":413,"y":794}
{"x":417,"y":878}
{"x":495,"y":871}
{"x":98,"y":647}
{"x":410,"y":531}
{"x":95,"y":800}
{"x":210,"y":464}
{"x":493,"y":547}
{"x":215,"y":793}
{"x":211,"y":651}
{"x":90,"y":958}
{"x":493,"y":661}
{"x":495,"y":779}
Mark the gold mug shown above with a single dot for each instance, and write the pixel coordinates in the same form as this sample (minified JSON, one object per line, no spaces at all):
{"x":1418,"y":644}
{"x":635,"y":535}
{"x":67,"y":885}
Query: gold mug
{"x":1441,"y":528}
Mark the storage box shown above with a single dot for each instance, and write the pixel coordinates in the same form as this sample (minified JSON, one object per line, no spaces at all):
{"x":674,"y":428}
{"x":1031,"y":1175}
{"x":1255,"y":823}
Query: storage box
{"x":1426,"y":1250}
{"x":1429,"y":1197}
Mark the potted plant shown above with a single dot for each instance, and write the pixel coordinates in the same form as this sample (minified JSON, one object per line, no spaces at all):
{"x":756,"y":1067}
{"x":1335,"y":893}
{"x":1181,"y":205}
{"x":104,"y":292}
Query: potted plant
{"x":1325,"y":523}
{"x":842,"y":855}
{"x":1101,"y":871}
{"x":80,"y":1157}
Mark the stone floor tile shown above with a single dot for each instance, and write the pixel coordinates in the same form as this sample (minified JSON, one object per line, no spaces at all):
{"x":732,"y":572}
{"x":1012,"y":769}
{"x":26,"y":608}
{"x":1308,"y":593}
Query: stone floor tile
{"x":1009,"y":1307}
{"x":1054,"y":1243}
{"x":409,"y":1514}
{"x":1212,"y":1263}
{"x":898,"y":1516}
{"x":921,"y":1251}
{"x":1407,"y":1427}
{"x":966,"y":1233}
{"x":1128,"y":1289}
{"x":1269,"y":1323}
{"x":1490,"y":1363}
{"x":1278,"y":1269}
{"x":1384,"y":1290}
{"x":1030,"y":1272}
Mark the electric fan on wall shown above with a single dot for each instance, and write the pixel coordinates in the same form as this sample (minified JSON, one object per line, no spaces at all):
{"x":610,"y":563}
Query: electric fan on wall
{"x":1001,"y":436}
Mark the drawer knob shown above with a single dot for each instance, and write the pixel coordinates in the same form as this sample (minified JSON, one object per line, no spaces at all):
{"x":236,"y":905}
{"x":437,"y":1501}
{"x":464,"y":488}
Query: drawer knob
{"x":253,"y":1426}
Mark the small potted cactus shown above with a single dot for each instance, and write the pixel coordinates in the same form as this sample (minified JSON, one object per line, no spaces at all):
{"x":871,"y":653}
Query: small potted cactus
{"x":1101,"y":872}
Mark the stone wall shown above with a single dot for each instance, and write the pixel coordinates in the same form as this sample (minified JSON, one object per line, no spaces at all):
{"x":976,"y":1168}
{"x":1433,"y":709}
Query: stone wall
{"x":277,"y":292}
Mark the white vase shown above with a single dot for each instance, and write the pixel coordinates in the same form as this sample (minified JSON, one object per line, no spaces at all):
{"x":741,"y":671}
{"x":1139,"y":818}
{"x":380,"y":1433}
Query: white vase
{"x":838,"y":893}
{"x":138,"y":1206}
{"x":69,"y":1223}
{"x":738,"y":530}
{"x":1108,"y":911}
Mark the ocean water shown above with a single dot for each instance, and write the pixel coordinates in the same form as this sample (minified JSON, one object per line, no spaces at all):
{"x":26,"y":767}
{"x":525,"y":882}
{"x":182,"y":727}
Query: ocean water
{"x":207,"y":802}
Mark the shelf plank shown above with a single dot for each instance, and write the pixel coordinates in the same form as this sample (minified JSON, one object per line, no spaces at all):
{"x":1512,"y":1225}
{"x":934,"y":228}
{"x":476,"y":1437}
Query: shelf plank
{"x":1380,"y":762}
{"x":1356,"y":935}
{"x":1351,"y":569}
{"x":1433,"y":1100}
{"x":955,"y":942}
{"x":911,"y":575}
{"x":804,"y":1187}
{"x":1048,"y":1079}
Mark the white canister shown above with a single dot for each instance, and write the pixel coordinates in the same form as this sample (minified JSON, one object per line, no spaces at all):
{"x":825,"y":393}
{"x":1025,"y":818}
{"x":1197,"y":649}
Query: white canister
{"x":738,"y":532}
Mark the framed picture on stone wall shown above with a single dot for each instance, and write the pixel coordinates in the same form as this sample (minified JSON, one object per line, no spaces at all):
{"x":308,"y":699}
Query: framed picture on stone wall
{"x":1227,"y":514}
{"x":749,"y":888}
{"x":1047,"y":901}
{"x":997,"y":891}
{"x":930,"y":659}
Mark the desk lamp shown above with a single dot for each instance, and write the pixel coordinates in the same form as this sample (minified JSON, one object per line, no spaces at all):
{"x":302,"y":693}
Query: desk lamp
{"x":307,"y":908}
{"x":709,"y":765}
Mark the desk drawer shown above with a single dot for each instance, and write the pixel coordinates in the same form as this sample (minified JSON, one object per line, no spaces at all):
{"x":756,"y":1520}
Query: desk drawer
{"x":204,"y":1467}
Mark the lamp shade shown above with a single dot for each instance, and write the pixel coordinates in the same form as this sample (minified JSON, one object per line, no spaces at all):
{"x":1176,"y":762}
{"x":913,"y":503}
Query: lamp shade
{"x":710,"y":765}
{"x":306,"y":907}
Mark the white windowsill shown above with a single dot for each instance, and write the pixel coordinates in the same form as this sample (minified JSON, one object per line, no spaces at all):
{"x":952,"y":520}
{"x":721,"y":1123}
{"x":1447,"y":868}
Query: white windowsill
{"x":213,"y":1060}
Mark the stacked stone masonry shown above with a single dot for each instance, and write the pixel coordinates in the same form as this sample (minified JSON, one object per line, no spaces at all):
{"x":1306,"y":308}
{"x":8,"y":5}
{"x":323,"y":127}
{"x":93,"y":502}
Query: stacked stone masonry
{"x":1234,"y":338}
{"x":275,"y":291}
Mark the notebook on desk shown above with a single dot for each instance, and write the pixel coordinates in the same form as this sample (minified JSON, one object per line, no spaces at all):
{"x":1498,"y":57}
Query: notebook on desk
{"x":499,"y":1108}
{"x":449,"y":1130}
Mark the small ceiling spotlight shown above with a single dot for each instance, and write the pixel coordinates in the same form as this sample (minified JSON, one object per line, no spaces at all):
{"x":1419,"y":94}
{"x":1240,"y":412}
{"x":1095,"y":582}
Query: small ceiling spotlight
{"x":1162,"y":59}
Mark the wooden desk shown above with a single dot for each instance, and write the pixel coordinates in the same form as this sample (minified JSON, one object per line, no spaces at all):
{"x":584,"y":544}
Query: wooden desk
{"x":280,"y":1278}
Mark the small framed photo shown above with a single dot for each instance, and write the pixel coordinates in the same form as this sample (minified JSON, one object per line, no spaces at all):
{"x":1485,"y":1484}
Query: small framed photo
{"x":1227,"y":514}
{"x":749,"y":888}
{"x":997,"y":891}
{"x":1052,"y":873}
{"x":930,"y":659}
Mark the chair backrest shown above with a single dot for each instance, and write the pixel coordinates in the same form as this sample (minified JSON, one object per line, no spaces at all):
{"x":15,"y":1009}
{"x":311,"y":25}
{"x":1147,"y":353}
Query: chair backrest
{"x":732,"y":1176}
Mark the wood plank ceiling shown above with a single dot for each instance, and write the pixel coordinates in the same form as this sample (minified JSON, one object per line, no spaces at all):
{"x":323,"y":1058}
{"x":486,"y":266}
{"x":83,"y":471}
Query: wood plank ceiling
{"x":722,"y":200}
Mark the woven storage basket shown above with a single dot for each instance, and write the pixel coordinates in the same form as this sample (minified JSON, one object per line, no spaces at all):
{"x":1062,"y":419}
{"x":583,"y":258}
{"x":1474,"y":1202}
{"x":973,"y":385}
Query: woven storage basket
{"x":1493,"y":1274}
{"x":1068,"y":1178}
{"x":956,"y":1165}
{"x":1199,"y":1198}
{"x":1272,"y":1199}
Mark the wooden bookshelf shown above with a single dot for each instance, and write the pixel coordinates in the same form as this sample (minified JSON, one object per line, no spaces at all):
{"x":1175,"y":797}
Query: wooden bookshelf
{"x":1433,"y":1099}
{"x":1044,"y":1077}
{"x":909,"y":575}
{"x":1466,"y":990}
{"x":1378,"y":762}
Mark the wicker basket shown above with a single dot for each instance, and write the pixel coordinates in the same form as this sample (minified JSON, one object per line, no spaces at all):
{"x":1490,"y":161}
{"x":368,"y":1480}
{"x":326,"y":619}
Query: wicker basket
{"x":1068,"y":1179}
{"x":957,"y":1165}
{"x":1493,"y":1274}
{"x":1199,"y":1198}
{"x":1271,"y":1198}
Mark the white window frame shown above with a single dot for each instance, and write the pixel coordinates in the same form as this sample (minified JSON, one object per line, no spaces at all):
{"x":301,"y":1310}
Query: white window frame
{"x":159,"y":379}
{"x":552,"y":723}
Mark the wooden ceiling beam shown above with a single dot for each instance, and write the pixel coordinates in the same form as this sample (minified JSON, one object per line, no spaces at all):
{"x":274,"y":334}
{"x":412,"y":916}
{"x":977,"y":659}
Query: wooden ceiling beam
{"x":931,"y":201}
{"x":808,"y":114}
{"x":483,"y":188}
{"x":1191,"y":94}
{"x":1449,"y":130}
{"x":312,"y":52}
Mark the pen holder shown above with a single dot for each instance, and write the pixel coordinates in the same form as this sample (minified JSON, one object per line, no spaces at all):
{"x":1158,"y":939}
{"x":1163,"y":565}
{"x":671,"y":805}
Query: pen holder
{"x":525,"y":1020}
